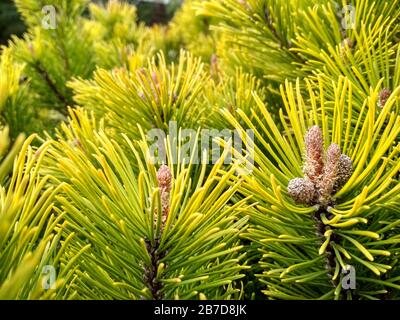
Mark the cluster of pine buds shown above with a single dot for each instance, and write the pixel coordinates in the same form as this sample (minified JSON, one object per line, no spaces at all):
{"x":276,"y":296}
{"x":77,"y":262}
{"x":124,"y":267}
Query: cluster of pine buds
{"x":324,"y":174}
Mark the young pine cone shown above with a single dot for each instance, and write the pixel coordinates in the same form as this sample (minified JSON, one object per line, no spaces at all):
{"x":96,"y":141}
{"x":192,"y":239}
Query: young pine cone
{"x":302,"y":190}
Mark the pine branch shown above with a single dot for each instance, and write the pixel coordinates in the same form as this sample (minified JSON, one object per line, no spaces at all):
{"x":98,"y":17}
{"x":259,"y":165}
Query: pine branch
{"x":181,"y":246}
{"x":150,"y":275}
{"x":30,"y":230}
{"x":63,"y":50}
{"x":50,"y":83}
{"x":330,"y":259}
{"x":270,"y":24}
{"x":338,"y":207}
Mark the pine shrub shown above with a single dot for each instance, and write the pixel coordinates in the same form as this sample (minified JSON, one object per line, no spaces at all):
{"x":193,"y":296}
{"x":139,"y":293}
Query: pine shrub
{"x":93,"y":206}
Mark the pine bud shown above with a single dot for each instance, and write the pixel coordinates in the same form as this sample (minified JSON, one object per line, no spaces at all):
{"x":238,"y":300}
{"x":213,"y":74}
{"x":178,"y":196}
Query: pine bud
{"x":384,"y":95}
{"x":302,"y":190}
{"x":314,"y":163}
{"x":345,"y":171}
{"x":164,"y":178}
{"x":333,"y":154}
{"x":330,"y":175}
{"x":345,"y":48}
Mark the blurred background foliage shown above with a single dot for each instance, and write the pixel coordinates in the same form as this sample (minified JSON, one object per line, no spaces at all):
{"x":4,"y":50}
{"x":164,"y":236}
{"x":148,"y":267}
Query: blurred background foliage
{"x":10,"y":21}
{"x":150,"y":12}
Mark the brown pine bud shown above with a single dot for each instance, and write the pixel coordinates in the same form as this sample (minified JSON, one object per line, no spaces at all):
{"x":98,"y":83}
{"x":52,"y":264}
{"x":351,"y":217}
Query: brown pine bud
{"x":314,"y":162}
{"x":345,"y":171}
{"x":384,"y":95}
{"x":164,"y":178}
{"x":302,"y":190}
{"x":330,"y":174}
